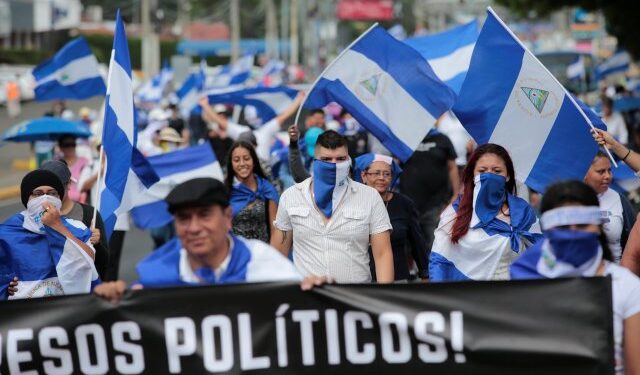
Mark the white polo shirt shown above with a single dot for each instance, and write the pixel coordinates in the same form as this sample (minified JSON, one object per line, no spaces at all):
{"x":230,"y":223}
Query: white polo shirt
{"x":338,"y":248}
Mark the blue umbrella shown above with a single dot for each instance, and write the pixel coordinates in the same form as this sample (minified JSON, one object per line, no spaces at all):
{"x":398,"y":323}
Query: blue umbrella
{"x":45,"y":129}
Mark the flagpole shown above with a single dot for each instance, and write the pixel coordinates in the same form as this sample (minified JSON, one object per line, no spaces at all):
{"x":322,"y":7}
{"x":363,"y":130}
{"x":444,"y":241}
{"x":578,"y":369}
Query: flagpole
{"x":95,"y":208}
{"x":327,"y":68}
{"x":101,"y":159}
{"x":593,"y":128}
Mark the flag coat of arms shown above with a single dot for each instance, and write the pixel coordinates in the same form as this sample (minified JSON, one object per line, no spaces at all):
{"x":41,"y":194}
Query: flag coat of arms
{"x":510,"y":98}
{"x":388,"y":87}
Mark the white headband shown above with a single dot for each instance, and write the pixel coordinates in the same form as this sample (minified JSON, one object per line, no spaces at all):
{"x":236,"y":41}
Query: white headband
{"x":572,"y":215}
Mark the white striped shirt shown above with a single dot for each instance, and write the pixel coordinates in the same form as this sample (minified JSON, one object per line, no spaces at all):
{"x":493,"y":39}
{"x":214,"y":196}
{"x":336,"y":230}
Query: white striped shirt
{"x":338,"y":248}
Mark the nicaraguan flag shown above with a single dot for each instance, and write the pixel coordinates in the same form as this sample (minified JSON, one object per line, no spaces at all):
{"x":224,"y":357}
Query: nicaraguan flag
{"x":618,"y":63}
{"x":71,"y":74}
{"x":273,"y":67}
{"x":242,"y":195}
{"x":190,"y":91}
{"x":128,"y":172}
{"x":478,"y":253}
{"x":542,"y":261}
{"x":232,"y":74}
{"x":250,"y":261}
{"x":173,"y":168}
{"x":449,"y":52}
{"x":388,"y":87}
{"x":511,"y":99}
{"x":153,"y":90}
{"x":46,"y":264}
{"x":268,"y":101}
{"x":576,"y":70}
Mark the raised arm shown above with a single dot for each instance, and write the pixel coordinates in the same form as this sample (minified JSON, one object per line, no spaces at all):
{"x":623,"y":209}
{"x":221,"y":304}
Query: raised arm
{"x":281,"y":118}
{"x":209,"y":115}
{"x":625,"y":154}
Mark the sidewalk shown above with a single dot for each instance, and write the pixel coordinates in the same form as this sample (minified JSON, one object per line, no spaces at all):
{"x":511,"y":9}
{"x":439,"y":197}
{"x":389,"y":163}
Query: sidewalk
{"x":10,"y":183}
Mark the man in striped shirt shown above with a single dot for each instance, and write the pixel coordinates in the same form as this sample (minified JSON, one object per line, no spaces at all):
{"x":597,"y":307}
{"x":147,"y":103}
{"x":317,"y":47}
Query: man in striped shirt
{"x":330,"y":220}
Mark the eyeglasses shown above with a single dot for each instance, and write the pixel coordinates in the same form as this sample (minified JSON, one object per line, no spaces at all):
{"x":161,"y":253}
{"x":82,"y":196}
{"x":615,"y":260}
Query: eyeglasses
{"x":67,"y":145}
{"x":39,"y":193}
{"x":384,"y":174}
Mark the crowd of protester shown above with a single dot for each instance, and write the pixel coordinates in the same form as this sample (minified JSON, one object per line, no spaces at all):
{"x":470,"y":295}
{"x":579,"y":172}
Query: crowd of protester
{"x":322,"y":202}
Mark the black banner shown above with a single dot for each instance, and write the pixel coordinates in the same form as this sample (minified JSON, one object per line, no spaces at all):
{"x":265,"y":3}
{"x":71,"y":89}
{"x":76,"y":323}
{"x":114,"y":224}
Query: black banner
{"x":534,"y":327}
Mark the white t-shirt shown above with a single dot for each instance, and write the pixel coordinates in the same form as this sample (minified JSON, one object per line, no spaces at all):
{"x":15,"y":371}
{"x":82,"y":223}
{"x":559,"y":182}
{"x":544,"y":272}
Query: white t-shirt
{"x":626,"y":303}
{"x":617,"y":127}
{"x":265,"y":136}
{"x":611,"y":205}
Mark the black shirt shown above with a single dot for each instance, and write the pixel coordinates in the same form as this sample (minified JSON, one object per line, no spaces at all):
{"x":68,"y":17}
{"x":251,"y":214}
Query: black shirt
{"x":404,"y":221}
{"x":425,"y":176}
{"x":177,"y":124}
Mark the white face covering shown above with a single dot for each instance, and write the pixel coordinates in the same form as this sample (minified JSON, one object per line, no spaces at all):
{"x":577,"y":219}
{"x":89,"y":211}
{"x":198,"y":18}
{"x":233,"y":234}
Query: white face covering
{"x":34,"y":212}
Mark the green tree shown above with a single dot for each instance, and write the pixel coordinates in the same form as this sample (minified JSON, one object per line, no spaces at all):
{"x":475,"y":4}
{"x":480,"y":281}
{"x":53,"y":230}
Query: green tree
{"x":621,"y":16}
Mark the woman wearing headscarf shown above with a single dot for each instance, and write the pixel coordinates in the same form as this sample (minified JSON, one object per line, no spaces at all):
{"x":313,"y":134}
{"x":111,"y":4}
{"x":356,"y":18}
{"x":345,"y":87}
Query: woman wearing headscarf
{"x":48,"y":254}
{"x":575,"y":245}
{"x":487,"y":227}
{"x":379,"y":172}
{"x":254,"y":200}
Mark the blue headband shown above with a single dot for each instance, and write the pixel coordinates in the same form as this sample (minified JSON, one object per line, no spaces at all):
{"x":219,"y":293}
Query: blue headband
{"x":363,"y":162}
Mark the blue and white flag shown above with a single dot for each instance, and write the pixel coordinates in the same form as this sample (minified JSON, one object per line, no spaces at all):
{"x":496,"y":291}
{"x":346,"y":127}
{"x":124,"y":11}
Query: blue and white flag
{"x":489,"y":240}
{"x":268,"y":101}
{"x":449,"y":52}
{"x":232,"y":74}
{"x":71,"y":74}
{"x":273,"y":67}
{"x":173,"y":168}
{"x":388,"y":87}
{"x":242,"y":195}
{"x":190,"y":91}
{"x":127,"y":171}
{"x":46,"y":263}
{"x":618,"y":63}
{"x":250,"y":261}
{"x":511,"y":99}
{"x":153,"y":90}
{"x":576,"y":70}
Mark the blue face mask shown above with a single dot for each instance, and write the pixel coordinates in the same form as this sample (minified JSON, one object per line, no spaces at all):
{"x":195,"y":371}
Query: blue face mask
{"x":573,"y":246}
{"x":329,"y":184}
{"x":489,"y":194}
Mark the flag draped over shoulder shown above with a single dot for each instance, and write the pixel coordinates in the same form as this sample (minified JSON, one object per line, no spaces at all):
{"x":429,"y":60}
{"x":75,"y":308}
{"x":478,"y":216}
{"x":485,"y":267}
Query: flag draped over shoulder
{"x":71,"y":74}
{"x":149,"y":208}
{"x":511,"y":99}
{"x":127,"y":170}
{"x":46,"y":264}
{"x":388,"y":87}
{"x":449,"y":52}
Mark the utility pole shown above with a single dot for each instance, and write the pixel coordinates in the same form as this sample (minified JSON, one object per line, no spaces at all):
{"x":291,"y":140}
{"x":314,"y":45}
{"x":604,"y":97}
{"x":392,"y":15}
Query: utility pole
{"x":150,"y":41}
{"x":284,"y":26}
{"x":235,"y":30}
{"x":271,"y":30}
{"x":295,"y":13}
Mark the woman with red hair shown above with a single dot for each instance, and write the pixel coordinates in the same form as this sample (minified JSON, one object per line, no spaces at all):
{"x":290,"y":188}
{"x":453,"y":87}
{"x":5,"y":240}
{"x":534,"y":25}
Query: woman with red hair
{"x":488,"y":226}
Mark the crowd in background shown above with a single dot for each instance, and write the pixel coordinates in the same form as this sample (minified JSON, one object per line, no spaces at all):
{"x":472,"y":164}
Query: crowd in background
{"x":328,"y":195}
